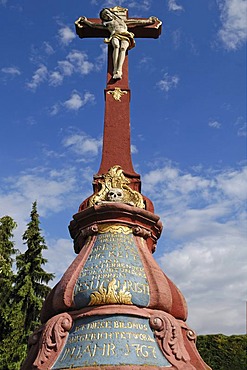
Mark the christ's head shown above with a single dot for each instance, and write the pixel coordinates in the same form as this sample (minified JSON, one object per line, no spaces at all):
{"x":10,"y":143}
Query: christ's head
{"x":107,"y":15}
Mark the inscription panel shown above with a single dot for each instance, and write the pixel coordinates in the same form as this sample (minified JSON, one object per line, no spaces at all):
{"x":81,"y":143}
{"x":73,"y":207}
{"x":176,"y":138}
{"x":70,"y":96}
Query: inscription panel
{"x":110,"y":340}
{"x":113,"y":273}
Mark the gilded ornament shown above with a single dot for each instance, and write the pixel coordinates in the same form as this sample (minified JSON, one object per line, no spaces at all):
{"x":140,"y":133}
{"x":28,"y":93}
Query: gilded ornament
{"x":114,"y":188}
{"x":121,"y":12}
{"x":114,"y":229}
{"x":117,"y":93}
{"x":111,"y":294}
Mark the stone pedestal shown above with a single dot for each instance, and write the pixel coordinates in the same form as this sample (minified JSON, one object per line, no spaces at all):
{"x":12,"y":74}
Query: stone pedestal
{"x":114,"y":306}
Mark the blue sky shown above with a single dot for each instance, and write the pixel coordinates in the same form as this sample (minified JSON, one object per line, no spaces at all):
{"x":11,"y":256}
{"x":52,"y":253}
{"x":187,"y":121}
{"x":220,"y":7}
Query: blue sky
{"x":188,"y":122}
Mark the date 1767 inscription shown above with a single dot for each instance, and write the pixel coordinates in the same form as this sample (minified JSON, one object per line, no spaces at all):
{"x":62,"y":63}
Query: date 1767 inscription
{"x":103,"y":340}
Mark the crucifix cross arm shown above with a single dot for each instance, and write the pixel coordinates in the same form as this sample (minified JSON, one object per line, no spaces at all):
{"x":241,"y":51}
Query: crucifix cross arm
{"x":120,"y":30}
{"x":141,"y":22}
{"x":82,"y":21}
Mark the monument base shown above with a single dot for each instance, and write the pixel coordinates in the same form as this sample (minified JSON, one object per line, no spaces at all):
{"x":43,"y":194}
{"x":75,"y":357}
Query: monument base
{"x":118,"y":337}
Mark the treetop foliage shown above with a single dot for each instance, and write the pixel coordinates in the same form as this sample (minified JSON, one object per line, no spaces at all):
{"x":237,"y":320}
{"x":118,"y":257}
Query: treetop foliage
{"x":223,"y":352}
{"x":27,"y":289}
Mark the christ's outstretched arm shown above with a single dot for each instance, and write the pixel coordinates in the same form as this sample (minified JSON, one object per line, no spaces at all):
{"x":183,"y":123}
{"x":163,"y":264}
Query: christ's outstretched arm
{"x":83,"y":20}
{"x":141,"y":22}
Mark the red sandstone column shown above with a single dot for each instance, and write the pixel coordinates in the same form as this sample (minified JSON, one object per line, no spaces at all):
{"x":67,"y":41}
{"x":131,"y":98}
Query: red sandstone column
{"x":116,"y":141}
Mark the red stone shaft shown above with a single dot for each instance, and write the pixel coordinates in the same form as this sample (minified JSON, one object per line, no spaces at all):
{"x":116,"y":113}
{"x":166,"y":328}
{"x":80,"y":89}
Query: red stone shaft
{"x":116,"y":138}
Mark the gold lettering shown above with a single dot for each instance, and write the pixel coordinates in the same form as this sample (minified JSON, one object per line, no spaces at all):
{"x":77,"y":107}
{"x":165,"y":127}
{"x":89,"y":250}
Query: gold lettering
{"x":139,"y":350}
{"x":104,"y":348}
{"x":108,"y":349}
{"x":127,"y":349}
{"x":68,"y":352}
{"x":91,"y":351}
{"x":144,"y":351}
{"x":153,"y":351}
{"x":78,"y":355}
{"x":111,"y":349}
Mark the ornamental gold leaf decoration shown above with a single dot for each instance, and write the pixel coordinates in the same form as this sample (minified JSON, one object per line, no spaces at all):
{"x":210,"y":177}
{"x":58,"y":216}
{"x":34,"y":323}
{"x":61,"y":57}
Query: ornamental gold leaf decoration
{"x":114,"y":188}
{"x":117,"y":93}
{"x":121,"y":12}
{"x":111,"y":295}
{"x":118,"y":9}
{"x":114,"y":229}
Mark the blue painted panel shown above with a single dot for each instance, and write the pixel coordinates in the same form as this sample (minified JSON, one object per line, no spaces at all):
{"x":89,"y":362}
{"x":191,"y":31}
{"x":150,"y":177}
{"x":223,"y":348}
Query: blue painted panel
{"x":110,"y":340}
{"x":112,"y":274}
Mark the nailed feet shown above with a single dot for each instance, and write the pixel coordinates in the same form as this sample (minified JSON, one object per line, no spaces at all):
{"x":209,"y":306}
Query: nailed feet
{"x":117,"y":75}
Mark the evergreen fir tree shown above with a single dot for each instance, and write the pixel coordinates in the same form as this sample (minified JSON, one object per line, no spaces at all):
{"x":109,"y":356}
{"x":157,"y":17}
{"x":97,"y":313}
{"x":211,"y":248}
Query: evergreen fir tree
{"x":31,"y":281}
{"x":29,"y":291}
{"x":7,"y":250}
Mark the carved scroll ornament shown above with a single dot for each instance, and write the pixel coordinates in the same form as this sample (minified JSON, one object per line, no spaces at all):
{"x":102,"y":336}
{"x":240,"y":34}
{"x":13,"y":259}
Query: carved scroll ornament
{"x":52,"y":340}
{"x":169,"y":337}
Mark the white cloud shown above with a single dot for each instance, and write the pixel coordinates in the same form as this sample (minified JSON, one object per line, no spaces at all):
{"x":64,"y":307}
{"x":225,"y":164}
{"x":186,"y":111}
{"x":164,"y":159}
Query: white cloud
{"x":145,"y":61}
{"x":233,"y":32}
{"x":48,"y":187}
{"x":75,"y":102}
{"x":66,"y":67}
{"x":233,"y":184}
{"x":211,"y":274}
{"x":60,"y":247}
{"x":83,"y":144}
{"x":39,"y":76}
{"x":214,"y":124}
{"x":13,"y":71}
{"x":173,"y":6}
{"x":102,"y":58}
{"x":54,"y":109}
{"x":55,"y":78}
{"x":31,"y":121}
{"x":53,"y":190}
{"x":134,"y":149}
{"x":168,"y":82}
{"x":242,"y":126}
{"x":66,"y":35}
{"x":48,"y":48}
{"x":80,"y":62}
{"x":143,"y":5}
{"x":76,"y":62}
{"x":204,"y":215}
{"x":176,"y":38}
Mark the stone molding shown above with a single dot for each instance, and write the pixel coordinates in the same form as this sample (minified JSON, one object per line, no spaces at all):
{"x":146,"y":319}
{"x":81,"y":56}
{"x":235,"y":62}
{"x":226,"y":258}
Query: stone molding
{"x":175,"y":339}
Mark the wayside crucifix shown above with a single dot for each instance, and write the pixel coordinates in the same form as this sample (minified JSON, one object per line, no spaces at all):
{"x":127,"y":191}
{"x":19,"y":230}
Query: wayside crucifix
{"x":119,"y":32}
{"x":114,"y":308}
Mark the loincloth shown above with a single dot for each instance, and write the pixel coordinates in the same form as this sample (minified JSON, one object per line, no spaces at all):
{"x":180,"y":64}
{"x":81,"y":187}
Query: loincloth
{"x":127,"y":36}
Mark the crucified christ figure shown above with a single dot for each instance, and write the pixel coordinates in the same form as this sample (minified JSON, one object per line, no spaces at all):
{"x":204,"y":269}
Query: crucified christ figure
{"x":120,"y":38}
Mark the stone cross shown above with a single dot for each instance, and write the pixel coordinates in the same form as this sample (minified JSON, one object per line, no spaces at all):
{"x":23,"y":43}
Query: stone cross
{"x":119,"y":32}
